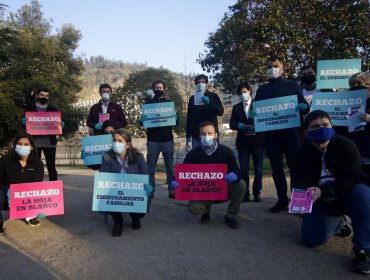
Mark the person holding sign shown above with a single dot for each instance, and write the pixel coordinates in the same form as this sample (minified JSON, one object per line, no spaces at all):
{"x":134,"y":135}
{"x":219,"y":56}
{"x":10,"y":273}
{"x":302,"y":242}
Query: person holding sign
{"x":124,"y":158}
{"x":207,"y":109}
{"x":280,"y":142}
{"x":331,"y":165}
{"x":159,"y":139}
{"x":248,"y":143}
{"x":45,"y":143}
{"x":210,"y":152}
{"x":21,"y":165}
{"x":308,"y":82}
{"x":104,"y":110}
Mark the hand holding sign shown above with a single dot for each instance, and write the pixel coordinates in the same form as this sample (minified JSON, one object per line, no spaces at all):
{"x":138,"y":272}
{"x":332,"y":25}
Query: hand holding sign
{"x":174,"y":184}
{"x":205,"y":100}
{"x":365,"y":117}
{"x":148,"y":189}
{"x":301,"y":107}
{"x":24,"y":120}
{"x":231,"y":177}
{"x":252,"y":114}
{"x":98,"y":126}
{"x":62,"y":124}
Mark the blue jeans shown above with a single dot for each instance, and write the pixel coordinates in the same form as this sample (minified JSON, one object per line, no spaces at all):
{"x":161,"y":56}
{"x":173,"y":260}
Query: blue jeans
{"x":154,"y":149}
{"x":244,"y":160}
{"x":325,"y":219}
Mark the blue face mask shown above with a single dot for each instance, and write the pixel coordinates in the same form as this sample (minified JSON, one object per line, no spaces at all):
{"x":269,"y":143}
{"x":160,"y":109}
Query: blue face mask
{"x":22,"y":150}
{"x":207,"y":140}
{"x":201,"y":87}
{"x":245,"y":96}
{"x":118,"y":148}
{"x":321,"y":135}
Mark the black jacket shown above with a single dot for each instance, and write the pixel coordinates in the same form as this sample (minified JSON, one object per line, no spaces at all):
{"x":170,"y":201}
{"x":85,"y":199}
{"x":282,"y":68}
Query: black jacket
{"x":245,"y":141}
{"x":116,"y":116}
{"x":32,"y":108}
{"x":342,"y":159}
{"x":11,"y":171}
{"x":202,"y":113}
{"x":223,"y":154}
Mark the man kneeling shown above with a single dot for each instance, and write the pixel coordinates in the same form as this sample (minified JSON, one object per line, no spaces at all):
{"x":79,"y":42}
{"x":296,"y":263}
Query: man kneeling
{"x":331,"y":165}
{"x":212,"y":153}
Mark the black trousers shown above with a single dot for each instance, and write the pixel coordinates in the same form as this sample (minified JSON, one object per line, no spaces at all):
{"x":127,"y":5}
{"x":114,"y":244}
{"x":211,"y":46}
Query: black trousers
{"x":3,"y":202}
{"x":49,"y":154}
{"x":280,"y":143}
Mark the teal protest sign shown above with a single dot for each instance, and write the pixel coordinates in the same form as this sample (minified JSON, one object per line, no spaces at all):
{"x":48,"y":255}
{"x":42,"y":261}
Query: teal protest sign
{"x":93,"y":147}
{"x":336,"y":104}
{"x":158,"y":114}
{"x":335,"y":73}
{"x":276,"y":113}
{"x":118,"y":192}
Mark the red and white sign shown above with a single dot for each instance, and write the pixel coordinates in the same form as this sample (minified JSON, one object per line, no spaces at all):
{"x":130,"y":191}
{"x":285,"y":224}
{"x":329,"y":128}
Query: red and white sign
{"x":201,"y":182}
{"x":31,"y":199}
{"x":43,"y":123}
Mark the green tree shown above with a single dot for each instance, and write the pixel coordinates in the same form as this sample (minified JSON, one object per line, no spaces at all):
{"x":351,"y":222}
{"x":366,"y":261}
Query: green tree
{"x":300,"y":31}
{"x":142,"y":81}
{"x":33,"y":57}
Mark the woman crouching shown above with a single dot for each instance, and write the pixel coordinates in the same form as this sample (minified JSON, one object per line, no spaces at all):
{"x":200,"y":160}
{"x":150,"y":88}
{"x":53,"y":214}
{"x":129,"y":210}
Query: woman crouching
{"x":123,"y":158}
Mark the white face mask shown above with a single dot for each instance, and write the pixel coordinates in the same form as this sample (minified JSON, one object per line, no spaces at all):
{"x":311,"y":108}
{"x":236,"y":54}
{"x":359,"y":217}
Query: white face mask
{"x":22,"y":150}
{"x":274,"y":73}
{"x":245,"y":96}
{"x":105,"y":96}
{"x":201,"y":87}
{"x":207,"y":140}
{"x":118,"y":148}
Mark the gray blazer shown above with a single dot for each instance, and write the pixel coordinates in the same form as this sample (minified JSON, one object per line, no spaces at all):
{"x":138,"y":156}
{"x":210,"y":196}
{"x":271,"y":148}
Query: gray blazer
{"x":110,"y":164}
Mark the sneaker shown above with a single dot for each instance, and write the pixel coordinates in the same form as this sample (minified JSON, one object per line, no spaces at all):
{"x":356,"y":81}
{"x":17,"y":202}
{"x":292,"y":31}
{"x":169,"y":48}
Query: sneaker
{"x":278,"y":207}
{"x":205,"y":218}
{"x":346,"y":230}
{"x":2,"y":228}
{"x":257,"y":198}
{"x":34,"y":222}
{"x":135,"y":224}
{"x":232,"y":222}
{"x":117,"y":230}
{"x":361,"y":262}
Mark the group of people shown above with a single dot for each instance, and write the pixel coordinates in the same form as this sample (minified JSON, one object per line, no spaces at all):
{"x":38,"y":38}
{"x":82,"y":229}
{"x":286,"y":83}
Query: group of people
{"x":336,"y":167}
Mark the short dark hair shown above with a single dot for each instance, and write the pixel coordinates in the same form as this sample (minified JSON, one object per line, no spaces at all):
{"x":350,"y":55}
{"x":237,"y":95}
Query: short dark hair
{"x":314,"y":115}
{"x":244,"y":85}
{"x":274,"y":57}
{"x":158,"y":82}
{"x":200,"y":77}
{"x":105,"y":124}
{"x":33,"y":153}
{"x":42,"y":88}
{"x":207,"y":123}
{"x":307,"y":67}
{"x":105,"y":86}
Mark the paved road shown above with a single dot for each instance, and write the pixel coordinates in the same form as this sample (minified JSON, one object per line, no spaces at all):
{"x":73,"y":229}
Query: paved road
{"x":171,"y":244}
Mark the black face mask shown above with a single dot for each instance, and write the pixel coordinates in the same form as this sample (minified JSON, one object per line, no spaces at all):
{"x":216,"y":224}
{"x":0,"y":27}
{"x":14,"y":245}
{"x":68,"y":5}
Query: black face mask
{"x":42,"y":100}
{"x":158,"y":93}
{"x":308,"y":79}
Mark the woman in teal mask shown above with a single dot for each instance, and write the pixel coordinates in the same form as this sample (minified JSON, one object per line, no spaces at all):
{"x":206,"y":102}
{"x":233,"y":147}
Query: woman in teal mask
{"x":20,"y":165}
{"x":124,"y":158}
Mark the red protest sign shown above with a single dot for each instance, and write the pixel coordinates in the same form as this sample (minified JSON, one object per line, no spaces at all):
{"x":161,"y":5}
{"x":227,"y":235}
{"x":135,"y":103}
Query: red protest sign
{"x":43,"y":123}
{"x":31,"y":199}
{"x":201,"y":182}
